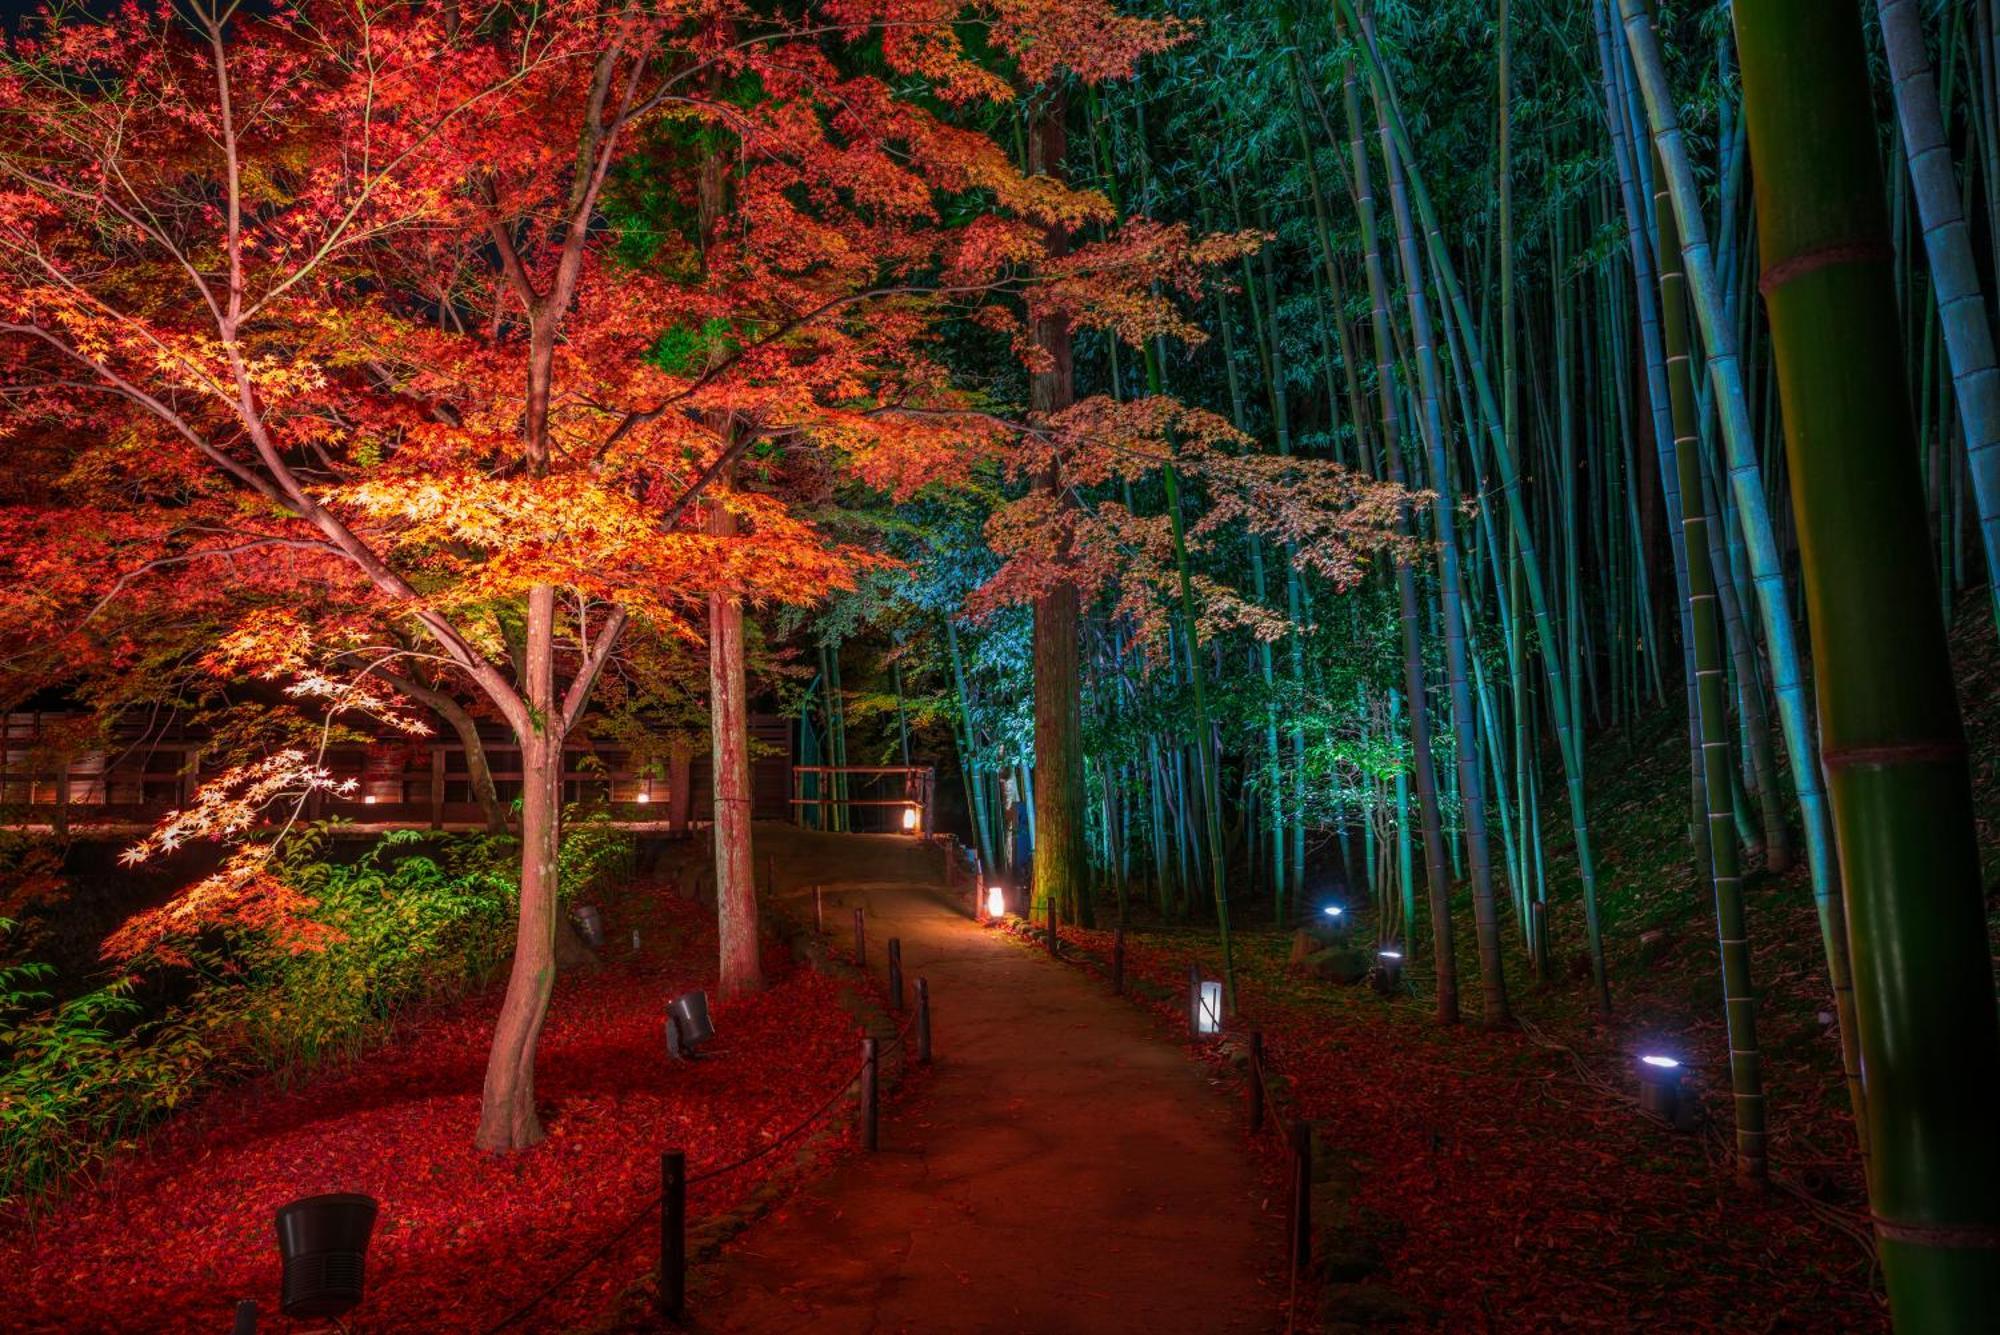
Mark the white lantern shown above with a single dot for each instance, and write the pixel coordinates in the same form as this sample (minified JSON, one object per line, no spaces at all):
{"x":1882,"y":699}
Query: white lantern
{"x":1208,"y":1016}
{"x":911,"y":816}
{"x":996,"y":900}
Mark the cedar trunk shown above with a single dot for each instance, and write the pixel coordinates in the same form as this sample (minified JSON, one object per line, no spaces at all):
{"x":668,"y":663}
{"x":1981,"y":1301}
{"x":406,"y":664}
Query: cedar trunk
{"x":729,"y":727}
{"x":1062,"y":858}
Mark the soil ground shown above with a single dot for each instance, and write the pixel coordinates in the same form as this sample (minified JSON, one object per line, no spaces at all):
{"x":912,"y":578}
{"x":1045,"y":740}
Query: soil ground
{"x":1063,"y":1168}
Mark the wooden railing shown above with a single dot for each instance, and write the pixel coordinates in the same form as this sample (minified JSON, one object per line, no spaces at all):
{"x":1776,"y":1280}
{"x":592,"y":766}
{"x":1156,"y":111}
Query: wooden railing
{"x":397,"y":784}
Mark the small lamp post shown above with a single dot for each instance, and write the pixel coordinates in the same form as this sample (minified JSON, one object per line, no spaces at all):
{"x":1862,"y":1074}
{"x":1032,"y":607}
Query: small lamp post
{"x":1660,"y":1087}
{"x":996,"y":900}
{"x":1388,"y":970}
{"x":1335,"y":918}
{"x":913,"y":819}
{"x":1204,"y":1005}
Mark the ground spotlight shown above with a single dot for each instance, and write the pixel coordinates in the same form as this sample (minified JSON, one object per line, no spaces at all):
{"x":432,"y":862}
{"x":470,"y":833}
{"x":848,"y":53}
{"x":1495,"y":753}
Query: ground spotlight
{"x":1388,"y":970}
{"x":688,"y":1025}
{"x":589,"y":922}
{"x":324,"y":1243}
{"x":1660,"y":1087}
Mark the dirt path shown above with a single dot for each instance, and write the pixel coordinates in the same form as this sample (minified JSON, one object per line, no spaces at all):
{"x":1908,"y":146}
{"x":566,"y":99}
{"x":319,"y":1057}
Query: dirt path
{"x":1062,"y":1169}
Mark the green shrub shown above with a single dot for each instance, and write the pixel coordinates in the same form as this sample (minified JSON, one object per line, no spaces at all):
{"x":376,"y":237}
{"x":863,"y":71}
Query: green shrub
{"x":415,"y":919}
{"x":418,"y":918}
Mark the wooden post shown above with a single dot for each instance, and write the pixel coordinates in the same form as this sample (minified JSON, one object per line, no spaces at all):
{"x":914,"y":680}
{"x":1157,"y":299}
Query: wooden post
{"x":923,"y":1022}
{"x":860,"y":940}
{"x":1256,"y":1081}
{"x":1194,"y":1001}
{"x":1301,"y":1195}
{"x":819,"y":911}
{"x":1118,"y":960}
{"x":895,"y":973}
{"x":246,"y":1318}
{"x":437,"y":787}
{"x":869,"y":1063}
{"x":673,"y":1235}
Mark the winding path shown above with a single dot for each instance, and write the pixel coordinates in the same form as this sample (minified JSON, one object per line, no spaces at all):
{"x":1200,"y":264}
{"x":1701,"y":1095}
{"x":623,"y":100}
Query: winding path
{"x":1063,"y":1168}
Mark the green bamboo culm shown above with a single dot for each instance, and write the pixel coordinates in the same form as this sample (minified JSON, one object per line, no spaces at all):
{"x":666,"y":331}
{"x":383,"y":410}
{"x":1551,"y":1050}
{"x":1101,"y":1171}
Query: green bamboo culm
{"x":1894,"y":746}
{"x":1739,"y":998}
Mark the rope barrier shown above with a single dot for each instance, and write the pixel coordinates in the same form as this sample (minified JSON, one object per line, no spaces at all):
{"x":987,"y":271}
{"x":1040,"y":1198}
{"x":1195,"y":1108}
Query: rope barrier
{"x":598,"y":1253}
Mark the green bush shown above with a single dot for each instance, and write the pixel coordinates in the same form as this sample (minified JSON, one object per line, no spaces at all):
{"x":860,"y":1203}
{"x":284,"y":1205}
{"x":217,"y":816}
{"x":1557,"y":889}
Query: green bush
{"x":415,"y":919}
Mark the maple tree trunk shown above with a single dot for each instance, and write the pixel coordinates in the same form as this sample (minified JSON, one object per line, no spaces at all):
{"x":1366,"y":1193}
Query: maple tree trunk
{"x":735,"y":876}
{"x":507,"y":1119}
{"x":1062,"y":857}
{"x":477,"y":770}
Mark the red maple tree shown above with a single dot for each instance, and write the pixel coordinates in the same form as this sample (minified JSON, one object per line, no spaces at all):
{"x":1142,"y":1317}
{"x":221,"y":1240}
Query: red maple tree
{"x":320,"y":303}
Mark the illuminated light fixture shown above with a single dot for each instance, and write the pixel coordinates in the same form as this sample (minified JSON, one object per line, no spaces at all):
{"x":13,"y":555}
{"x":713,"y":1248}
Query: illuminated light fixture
{"x":1208,"y":1010}
{"x":912,"y":815}
{"x":1660,"y":1087}
{"x":688,"y":1025}
{"x":1333,"y":910}
{"x":996,"y":900}
{"x":643,"y":798}
{"x":324,"y":1243}
{"x":1387,"y":974}
{"x":369,"y":800}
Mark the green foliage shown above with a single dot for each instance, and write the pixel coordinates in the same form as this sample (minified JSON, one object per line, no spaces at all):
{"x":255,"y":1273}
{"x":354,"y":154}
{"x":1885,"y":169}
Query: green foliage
{"x":415,"y":919}
{"x":685,"y":350}
{"x":595,"y":853}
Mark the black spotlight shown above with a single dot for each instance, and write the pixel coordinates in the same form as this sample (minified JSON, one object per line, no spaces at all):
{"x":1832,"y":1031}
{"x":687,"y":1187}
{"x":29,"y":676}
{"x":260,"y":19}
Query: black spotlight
{"x":688,"y":1025}
{"x":324,"y":1240}
{"x":589,"y":922}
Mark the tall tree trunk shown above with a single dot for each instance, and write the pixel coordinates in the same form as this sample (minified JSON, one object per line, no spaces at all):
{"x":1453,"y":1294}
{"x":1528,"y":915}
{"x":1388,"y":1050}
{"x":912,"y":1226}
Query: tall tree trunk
{"x":1062,"y":854}
{"x":729,"y":732}
{"x":1436,"y":866}
{"x":1968,"y":338}
{"x":507,"y":1119}
{"x":1895,"y":749}
{"x":1569,"y":745}
{"x":1747,"y":489}
{"x":1739,"y":997}
{"x":478,"y":771}
{"x":1451,"y":586}
{"x":680,"y":783}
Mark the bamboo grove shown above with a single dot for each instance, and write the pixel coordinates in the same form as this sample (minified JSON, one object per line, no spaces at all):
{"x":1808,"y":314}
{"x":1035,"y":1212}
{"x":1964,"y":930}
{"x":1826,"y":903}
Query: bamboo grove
{"x":1264,"y":448}
{"x":1517,"y":262}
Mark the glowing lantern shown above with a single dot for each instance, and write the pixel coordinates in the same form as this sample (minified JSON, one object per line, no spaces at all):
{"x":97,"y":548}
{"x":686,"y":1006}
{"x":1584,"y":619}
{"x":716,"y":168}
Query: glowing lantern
{"x":643,"y":798}
{"x":368,"y":800}
{"x":1208,"y":1013}
{"x":911,"y":816}
{"x":996,"y":900}
{"x":1660,"y":1087}
{"x":1388,"y":972}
